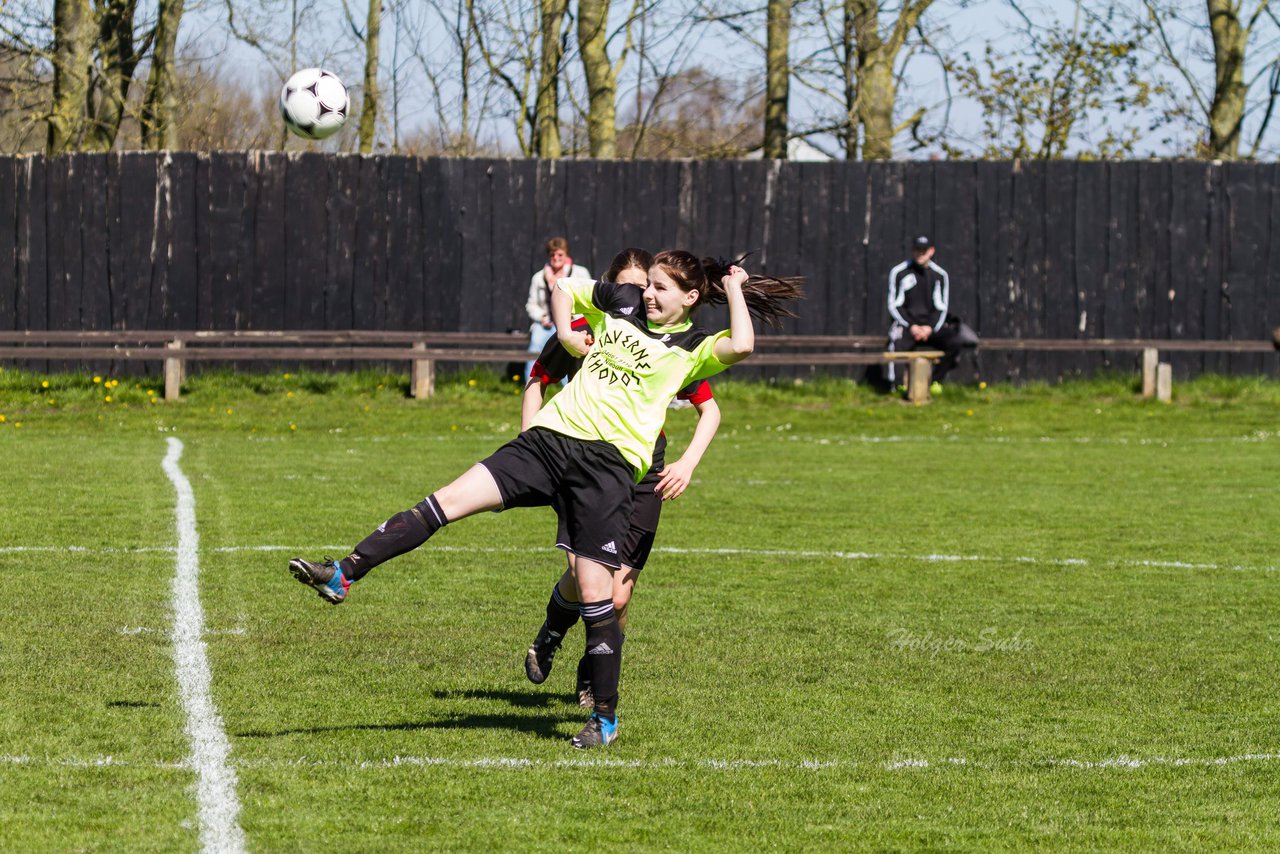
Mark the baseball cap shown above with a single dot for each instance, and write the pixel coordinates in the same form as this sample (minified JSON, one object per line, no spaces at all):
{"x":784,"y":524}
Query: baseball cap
{"x":921,"y":242}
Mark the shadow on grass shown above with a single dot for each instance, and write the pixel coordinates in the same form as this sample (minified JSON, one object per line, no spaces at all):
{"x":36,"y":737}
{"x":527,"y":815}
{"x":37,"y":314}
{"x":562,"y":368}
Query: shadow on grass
{"x":519,"y":699}
{"x":543,"y":726}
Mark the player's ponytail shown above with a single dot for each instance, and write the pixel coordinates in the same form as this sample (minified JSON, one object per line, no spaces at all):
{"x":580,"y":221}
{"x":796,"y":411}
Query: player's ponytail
{"x":765,"y":295}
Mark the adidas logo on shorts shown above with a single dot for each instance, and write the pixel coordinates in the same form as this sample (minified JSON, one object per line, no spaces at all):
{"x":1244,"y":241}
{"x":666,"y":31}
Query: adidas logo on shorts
{"x":602,"y":649}
{"x":610,"y":548}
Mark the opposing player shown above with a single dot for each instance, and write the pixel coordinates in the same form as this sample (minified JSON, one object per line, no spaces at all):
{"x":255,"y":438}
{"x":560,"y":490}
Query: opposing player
{"x":660,"y":483}
{"x":594,"y":440}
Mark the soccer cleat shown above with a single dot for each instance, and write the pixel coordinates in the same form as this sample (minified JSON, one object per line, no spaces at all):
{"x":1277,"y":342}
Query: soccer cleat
{"x":325,"y":577}
{"x":585,"y":698}
{"x":598,"y":732}
{"x":542,"y":652}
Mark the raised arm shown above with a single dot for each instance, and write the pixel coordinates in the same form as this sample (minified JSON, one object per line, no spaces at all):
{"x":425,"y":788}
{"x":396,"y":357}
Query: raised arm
{"x":677,"y":476}
{"x":742,"y":335}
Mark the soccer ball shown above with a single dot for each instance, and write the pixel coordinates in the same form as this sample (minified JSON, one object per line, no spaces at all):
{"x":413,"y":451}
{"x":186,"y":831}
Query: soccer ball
{"x":314,"y":103}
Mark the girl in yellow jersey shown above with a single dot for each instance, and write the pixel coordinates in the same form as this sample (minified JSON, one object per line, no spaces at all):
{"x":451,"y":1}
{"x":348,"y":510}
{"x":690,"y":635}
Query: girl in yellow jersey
{"x":592,"y":442}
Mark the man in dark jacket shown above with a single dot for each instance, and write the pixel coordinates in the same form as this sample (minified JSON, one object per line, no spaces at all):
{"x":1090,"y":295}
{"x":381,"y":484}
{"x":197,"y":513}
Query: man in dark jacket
{"x":919,"y":291}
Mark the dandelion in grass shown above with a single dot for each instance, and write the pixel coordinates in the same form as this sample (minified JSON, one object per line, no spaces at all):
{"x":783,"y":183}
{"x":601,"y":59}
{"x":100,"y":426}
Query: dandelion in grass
{"x":97,"y":380}
{"x":44,"y":384}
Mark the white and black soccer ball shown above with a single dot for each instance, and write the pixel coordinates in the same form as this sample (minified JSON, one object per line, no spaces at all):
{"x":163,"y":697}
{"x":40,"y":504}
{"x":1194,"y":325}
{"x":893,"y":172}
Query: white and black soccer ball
{"x":314,"y":103}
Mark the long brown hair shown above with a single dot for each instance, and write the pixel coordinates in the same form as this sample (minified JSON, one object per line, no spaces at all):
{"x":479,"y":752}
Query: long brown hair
{"x":765,"y":295}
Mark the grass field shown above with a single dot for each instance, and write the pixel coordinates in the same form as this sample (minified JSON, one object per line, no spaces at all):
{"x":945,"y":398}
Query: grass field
{"x":1016,"y":618}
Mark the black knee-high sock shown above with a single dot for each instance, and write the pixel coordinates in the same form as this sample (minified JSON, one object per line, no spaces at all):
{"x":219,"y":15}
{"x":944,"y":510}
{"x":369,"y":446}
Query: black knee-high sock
{"x":584,"y":668}
{"x":604,"y":651}
{"x":402,"y":533}
{"x":561,"y":613}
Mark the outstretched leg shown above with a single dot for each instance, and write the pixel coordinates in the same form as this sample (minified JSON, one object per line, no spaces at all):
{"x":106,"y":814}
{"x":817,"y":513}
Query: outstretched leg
{"x":473,"y":492}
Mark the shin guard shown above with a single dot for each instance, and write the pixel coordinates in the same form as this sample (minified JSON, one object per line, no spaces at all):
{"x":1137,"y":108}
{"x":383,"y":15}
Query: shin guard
{"x":604,"y":654}
{"x":402,"y":533}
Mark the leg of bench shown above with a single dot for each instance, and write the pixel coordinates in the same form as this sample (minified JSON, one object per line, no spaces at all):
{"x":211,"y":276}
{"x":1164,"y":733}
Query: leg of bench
{"x":1150,"y":359}
{"x":1164,"y":382}
{"x":173,"y":370}
{"x":919,"y":373}
{"x":422,"y":375}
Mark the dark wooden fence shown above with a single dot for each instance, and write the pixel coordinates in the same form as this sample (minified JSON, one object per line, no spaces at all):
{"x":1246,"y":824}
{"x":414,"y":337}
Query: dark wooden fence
{"x":310,"y":241}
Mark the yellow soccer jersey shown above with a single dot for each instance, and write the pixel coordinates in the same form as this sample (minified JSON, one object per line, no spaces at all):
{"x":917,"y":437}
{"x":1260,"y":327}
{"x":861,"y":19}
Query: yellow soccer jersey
{"x":632,"y":372}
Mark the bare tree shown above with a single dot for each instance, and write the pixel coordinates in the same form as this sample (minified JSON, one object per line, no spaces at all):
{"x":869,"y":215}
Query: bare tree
{"x":694,"y":113}
{"x":663,"y":81}
{"x":877,"y":85}
{"x":1240,"y":42}
{"x":119,"y":50}
{"x":547,"y":130}
{"x":777,"y":78}
{"x":73,"y":37}
{"x":504,"y":37}
{"x":1053,"y":88}
{"x":369,"y":109}
{"x":160,"y":105}
{"x":442,"y":40}
{"x":602,"y":83}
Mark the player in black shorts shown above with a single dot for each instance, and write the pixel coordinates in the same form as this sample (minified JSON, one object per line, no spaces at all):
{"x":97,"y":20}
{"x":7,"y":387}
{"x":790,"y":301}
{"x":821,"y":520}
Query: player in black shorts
{"x":594,"y":440}
{"x":661,"y":482}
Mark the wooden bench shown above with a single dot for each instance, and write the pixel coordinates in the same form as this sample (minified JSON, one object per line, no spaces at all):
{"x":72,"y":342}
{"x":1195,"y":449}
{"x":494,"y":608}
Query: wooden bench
{"x":423,"y":349}
{"x":175,"y":348}
{"x":1157,"y":376}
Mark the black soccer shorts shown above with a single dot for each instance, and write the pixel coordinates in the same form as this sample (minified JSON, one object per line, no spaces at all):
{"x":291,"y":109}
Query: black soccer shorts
{"x":588,"y":482}
{"x":646,"y":508}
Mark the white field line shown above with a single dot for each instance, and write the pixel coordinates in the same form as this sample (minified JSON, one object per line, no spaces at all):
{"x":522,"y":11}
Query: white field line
{"x":796,"y":554}
{"x":217,"y":806}
{"x":1123,"y":762}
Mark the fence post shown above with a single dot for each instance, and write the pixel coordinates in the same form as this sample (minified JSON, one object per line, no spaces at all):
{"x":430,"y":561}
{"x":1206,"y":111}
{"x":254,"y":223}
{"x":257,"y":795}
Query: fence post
{"x":1164,"y":382}
{"x":1150,"y":359}
{"x":919,"y":371}
{"x":173,"y":372}
{"x":422,"y":375}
